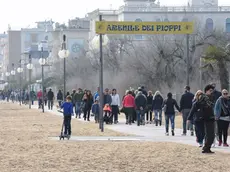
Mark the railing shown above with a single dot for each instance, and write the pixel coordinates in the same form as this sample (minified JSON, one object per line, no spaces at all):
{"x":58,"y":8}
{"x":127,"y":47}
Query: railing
{"x":174,"y":9}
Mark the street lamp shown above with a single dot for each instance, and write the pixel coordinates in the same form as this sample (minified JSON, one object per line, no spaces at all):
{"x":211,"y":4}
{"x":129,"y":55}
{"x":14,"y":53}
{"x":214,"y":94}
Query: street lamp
{"x":20,"y":70}
{"x":42,"y":62}
{"x":30,"y":67}
{"x":63,"y":54}
{"x":98,"y":43}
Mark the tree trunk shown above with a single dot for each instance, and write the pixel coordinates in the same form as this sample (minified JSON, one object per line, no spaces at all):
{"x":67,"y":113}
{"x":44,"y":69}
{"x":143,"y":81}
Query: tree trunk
{"x":223,"y":75}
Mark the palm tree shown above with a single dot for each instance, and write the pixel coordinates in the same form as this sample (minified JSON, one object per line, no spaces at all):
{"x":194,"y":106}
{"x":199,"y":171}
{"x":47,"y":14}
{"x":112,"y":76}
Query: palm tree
{"x":217,"y":58}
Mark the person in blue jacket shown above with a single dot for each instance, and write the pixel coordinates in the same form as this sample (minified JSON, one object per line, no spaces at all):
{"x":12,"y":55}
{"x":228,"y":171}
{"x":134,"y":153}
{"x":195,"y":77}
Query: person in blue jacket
{"x":67,"y":113}
{"x":95,"y":111}
{"x":222,"y":114}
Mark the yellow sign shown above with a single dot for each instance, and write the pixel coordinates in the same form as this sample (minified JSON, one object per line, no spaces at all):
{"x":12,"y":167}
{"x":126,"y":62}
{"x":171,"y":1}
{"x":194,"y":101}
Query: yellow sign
{"x":114,"y":27}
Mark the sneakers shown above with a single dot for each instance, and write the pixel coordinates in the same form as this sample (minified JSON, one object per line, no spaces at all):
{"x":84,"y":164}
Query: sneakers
{"x":184,"y":134}
{"x":220,"y":143}
{"x":225,"y":145}
{"x":192,"y":133}
{"x":173,"y":134}
{"x":167,"y":134}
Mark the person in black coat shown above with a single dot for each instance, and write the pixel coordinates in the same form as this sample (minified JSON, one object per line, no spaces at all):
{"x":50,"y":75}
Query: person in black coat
{"x":59,"y":97}
{"x":185,"y":107}
{"x":197,"y":116}
{"x":50,"y":97}
{"x":205,"y":104}
{"x":149,"y":116}
{"x":215,"y":94}
{"x":157,"y":108}
{"x":169,"y":105}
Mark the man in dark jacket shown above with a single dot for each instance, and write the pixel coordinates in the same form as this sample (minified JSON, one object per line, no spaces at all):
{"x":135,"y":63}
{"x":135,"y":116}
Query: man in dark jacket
{"x":216,"y":94}
{"x":141,"y":103}
{"x":77,"y":100}
{"x":207,"y":106}
{"x":107,"y":97}
{"x":186,"y":105}
{"x":144,"y":91}
{"x":50,"y":97}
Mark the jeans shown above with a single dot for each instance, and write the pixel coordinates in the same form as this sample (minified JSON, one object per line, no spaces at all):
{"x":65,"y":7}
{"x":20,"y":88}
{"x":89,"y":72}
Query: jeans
{"x":140,"y":116}
{"x":199,"y":129}
{"x":170,"y":117}
{"x":50,"y":104}
{"x":185,"y":113}
{"x":115,"y":110}
{"x":223,"y":130}
{"x":158,"y":115}
{"x":209,"y":129}
{"x":67,"y":124}
{"x":96,"y":117}
{"x":87,"y":114}
{"x":78,"y":109}
{"x":59,"y":103}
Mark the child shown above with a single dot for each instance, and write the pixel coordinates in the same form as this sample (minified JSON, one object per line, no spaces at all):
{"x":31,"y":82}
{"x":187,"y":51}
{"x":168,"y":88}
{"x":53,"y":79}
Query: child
{"x":107,"y":116}
{"x":67,"y":112}
{"x":95,"y":111}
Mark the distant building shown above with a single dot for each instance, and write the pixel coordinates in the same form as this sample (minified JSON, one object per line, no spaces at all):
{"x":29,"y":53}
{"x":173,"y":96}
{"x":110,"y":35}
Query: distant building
{"x":207,"y":14}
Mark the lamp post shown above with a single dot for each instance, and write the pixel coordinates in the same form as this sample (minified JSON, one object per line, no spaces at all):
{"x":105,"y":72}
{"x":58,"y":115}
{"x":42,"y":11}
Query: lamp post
{"x":13,"y":74}
{"x":42,"y":62}
{"x":98,"y":44}
{"x":63,"y":54}
{"x":30,"y":67}
{"x":20,"y":70}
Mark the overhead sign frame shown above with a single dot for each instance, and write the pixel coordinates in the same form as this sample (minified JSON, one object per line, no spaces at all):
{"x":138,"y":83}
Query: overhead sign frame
{"x":121,"y":27}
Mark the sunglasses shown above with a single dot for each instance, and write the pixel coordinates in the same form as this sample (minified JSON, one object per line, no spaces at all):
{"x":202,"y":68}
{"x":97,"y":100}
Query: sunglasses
{"x":225,"y":93}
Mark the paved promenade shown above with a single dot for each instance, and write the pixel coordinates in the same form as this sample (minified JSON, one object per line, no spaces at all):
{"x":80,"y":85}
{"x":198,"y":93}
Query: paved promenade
{"x":150,"y":132}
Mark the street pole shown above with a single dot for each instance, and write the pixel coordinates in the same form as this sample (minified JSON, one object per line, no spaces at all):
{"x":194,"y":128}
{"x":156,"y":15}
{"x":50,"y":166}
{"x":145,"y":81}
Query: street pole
{"x":43,"y":109}
{"x":30,"y":70}
{"x":20,"y":82}
{"x":101,"y":124}
{"x":64,"y":68}
{"x":188,"y":60}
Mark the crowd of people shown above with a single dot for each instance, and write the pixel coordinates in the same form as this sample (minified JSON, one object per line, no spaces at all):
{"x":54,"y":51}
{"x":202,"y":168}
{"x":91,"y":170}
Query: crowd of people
{"x":208,"y":112}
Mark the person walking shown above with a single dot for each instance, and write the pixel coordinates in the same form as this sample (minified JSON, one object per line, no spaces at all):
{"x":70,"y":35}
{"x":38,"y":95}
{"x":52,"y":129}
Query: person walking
{"x":115,"y":105}
{"x":206,"y":104}
{"x":169,"y":105}
{"x":157,"y":107}
{"x":141,"y":105}
{"x":196,"y":115}
{"x":60,"y":97}
{"x":77,"y":99}
{"x":186,"y":105}
{"x":222,"y":113}
{"x":50,"y":97}
{"x":88,"y":101}
{"x":149,"y":116}
{"x":128,"y":104}
{"x":39,"y":97}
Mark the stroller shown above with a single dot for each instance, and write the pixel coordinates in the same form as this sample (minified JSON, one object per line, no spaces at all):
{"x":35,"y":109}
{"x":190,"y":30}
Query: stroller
{"x":108,"y":118}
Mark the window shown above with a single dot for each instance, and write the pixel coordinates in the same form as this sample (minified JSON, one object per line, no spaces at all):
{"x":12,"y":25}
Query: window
{"x":158,"y":20}
{"x":46,"y":38}
{"x":209,"y":25}
{"x":228,"y":25}
{"x":34,"y":38}
{"x":166,"y":20}
{"x":184,"y":20}
{"x":138,"y":37}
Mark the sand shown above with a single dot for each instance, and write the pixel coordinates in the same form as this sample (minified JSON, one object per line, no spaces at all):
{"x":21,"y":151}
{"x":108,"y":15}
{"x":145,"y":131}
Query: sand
{"x":25,"y":147}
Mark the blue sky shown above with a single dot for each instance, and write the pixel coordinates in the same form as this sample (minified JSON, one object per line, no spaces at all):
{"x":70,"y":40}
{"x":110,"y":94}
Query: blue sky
{"x":22,"y":13}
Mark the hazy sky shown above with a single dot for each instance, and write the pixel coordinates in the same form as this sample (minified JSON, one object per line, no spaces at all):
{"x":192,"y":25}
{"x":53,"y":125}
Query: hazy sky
{"x":22,"y":13}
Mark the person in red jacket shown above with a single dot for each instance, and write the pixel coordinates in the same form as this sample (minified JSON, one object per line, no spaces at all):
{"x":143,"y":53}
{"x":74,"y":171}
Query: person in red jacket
{"x":129,"y":105}
{"x":39,"y":97}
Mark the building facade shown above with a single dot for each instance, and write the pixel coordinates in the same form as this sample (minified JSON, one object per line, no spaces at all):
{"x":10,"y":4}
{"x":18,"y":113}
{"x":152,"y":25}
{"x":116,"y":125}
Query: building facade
{"x":205,"y":13}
